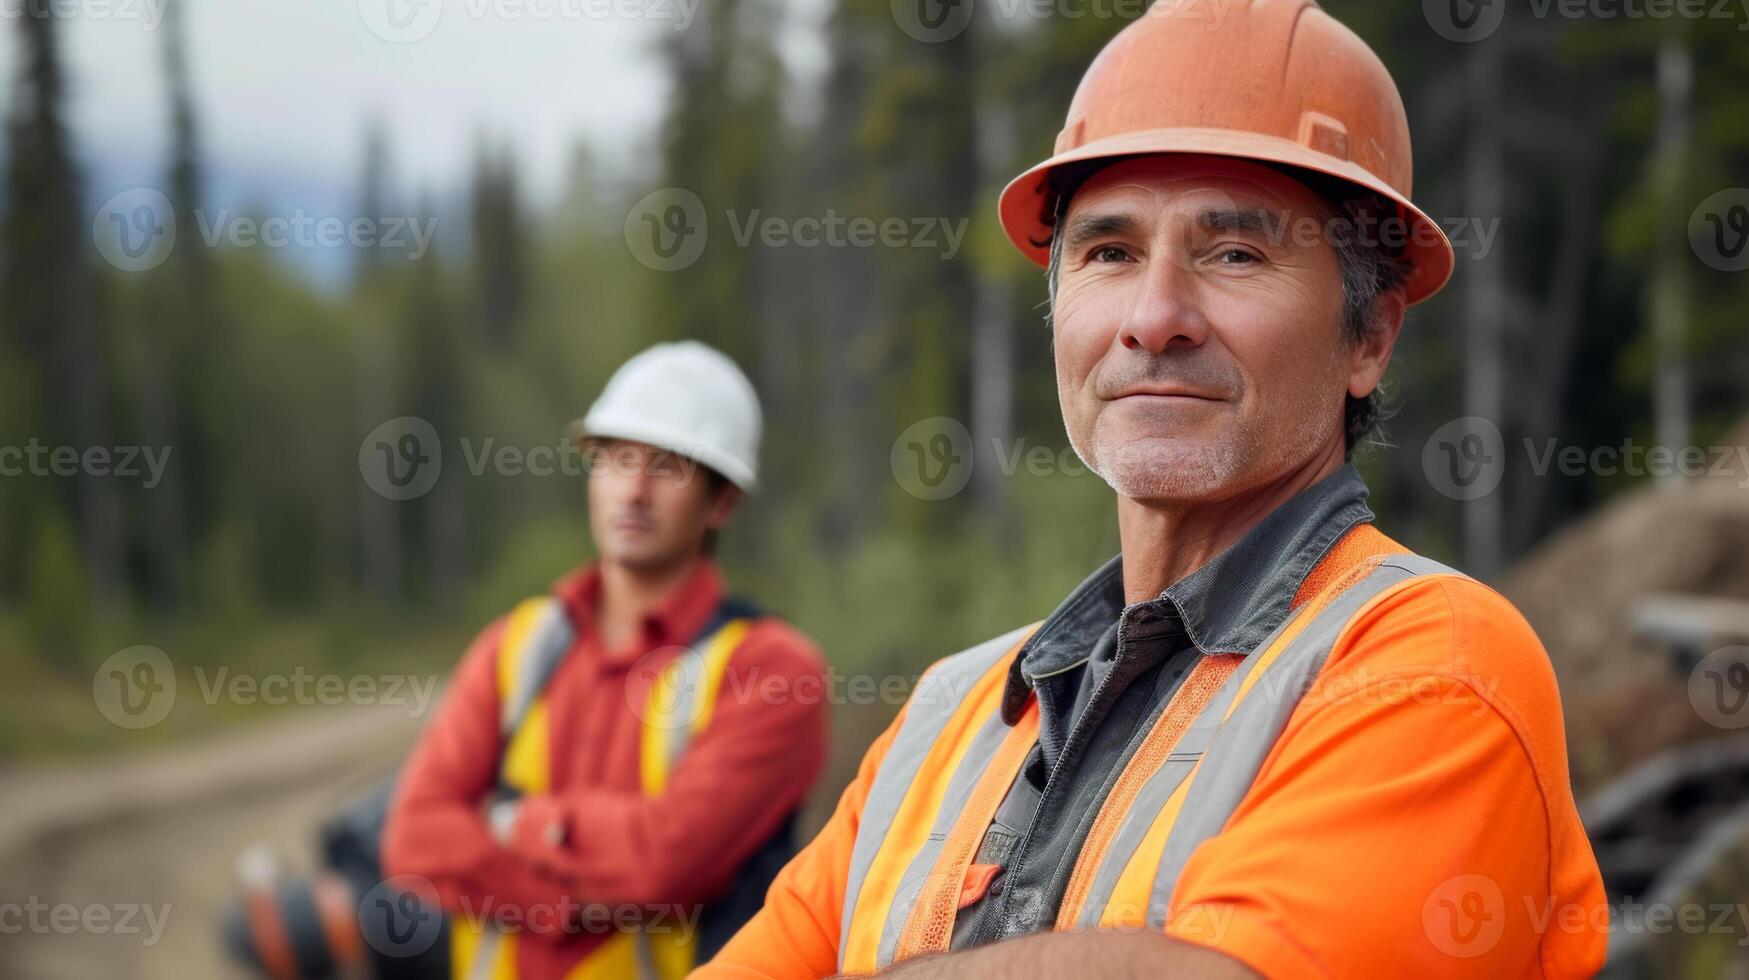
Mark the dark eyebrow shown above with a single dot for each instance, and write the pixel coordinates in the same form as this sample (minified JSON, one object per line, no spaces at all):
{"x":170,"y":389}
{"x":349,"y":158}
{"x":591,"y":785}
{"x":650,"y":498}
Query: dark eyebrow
{"x":1254,"y":221}
{"x":1087,"y":227}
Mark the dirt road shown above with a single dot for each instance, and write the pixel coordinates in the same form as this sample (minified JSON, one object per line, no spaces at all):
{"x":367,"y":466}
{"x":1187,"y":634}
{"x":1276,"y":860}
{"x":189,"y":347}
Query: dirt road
{"x":124,"y":869}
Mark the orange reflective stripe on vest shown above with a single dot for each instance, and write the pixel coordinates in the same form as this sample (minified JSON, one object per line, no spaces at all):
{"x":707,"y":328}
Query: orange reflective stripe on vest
{"x":936,"y":791}
{"x":681,"y":701}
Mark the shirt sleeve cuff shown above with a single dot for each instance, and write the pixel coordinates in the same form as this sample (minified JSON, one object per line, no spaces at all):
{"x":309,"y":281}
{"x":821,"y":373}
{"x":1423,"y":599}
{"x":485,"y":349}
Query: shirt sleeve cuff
{"x":1247,"y":937}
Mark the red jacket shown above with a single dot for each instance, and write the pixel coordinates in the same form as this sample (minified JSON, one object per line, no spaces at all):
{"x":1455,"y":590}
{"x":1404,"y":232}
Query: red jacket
{"x":737,"y":780}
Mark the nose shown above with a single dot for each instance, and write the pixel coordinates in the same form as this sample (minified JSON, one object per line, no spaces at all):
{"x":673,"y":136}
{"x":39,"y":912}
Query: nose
{"x":1167,"y":310}
{"x":638,"y":487}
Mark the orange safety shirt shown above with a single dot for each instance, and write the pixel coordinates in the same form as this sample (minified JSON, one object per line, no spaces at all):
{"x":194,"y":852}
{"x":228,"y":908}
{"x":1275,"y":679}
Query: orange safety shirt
{"x":1414,"y":816}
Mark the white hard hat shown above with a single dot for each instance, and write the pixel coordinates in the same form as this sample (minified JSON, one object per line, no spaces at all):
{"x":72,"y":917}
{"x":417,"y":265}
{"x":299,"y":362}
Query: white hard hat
{"x":687,"y":398}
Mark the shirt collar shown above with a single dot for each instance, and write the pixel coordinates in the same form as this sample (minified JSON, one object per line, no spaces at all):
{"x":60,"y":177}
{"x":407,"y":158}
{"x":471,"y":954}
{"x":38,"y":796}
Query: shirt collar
{"x":1229,"y":605}
{"x":676,"y":619}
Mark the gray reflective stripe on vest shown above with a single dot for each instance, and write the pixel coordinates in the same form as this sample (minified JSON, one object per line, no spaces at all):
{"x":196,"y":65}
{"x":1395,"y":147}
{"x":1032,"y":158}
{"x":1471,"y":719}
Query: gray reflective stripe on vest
{"x":689,"y":690}
{"x":1160,"y":787}
{"x":937,"y":697}
{"x":1164,"y":782}
{"x":484,"y":954}
{"x":959,"y":788}
{"x":1242,"y":743}
{"x":548,"y":643}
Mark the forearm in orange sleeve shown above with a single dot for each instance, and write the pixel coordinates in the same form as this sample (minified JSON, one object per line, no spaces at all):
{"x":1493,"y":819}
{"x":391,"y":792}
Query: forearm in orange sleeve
{"x":794,"y":936}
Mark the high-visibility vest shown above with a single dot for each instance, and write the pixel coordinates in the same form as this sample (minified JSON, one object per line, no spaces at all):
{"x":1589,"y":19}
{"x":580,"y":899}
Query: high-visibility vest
{"x":681,"y":699}
{"x":955,"y":756}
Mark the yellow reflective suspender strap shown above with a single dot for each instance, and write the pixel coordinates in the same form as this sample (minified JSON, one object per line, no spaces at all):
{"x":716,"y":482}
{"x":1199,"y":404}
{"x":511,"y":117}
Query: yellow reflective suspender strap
{"x":682,"y":702}
{"x":477,"y":952}
{"x":682,"y":698}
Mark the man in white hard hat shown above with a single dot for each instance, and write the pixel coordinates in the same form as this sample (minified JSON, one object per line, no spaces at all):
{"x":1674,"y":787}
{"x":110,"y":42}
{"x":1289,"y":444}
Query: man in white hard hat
{"x":612,"y":778}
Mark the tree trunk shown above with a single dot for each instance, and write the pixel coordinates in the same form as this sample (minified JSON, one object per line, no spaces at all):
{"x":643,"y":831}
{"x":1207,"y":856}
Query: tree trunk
{"x":1484,"y":296}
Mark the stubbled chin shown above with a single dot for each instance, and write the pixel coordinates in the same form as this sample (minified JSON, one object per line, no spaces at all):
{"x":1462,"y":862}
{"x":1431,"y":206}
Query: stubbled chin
{"x":1170,"y":468}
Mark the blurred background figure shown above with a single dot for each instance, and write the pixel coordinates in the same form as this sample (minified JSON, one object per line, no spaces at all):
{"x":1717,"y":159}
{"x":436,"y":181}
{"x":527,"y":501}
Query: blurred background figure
{"x":614,"y":778}
{"x":288,"y":294}
{"x":633,"y":748}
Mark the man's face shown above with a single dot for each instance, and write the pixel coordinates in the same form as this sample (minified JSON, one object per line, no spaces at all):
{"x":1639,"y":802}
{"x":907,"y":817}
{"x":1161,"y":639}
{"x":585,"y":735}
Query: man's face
{"x":1197,"y":325}
{"x":649,"y":508}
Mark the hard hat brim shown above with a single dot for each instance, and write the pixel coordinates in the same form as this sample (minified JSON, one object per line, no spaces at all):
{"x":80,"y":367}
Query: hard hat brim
{"x":1024,"y":202}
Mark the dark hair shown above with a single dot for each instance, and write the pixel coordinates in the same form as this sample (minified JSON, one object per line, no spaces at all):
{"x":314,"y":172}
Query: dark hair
{"x":718,"y":482}
{"x":1370,"y":268}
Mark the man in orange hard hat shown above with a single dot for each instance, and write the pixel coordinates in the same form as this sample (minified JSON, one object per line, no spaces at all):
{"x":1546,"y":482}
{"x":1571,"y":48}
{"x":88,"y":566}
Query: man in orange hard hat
{"x":1265,"y":739}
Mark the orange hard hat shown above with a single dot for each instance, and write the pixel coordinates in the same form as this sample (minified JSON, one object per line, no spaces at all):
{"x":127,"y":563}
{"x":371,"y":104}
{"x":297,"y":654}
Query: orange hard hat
{"x":1278,"y":81}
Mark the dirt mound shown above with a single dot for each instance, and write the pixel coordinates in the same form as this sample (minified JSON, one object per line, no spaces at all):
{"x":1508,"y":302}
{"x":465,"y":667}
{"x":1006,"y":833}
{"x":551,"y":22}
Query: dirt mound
{"x":1625,"y":698}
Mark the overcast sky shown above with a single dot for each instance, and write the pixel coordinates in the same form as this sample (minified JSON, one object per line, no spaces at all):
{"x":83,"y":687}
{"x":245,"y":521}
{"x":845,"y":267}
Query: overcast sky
{"x":284,"y":87}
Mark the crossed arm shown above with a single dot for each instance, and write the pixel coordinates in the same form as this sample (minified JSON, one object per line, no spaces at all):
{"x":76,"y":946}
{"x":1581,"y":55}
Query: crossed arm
{"x":1427,"y":772}
{"x":1120,"y":955}
{"x":598,"y":844}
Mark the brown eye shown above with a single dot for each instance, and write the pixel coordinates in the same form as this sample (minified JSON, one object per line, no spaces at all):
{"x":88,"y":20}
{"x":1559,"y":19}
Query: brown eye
{"x":1107,"y":253}
{"x":1237,"y":256}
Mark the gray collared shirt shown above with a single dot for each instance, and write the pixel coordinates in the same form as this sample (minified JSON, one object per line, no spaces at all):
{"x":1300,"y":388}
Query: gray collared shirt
{"x":1103,"y":672}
